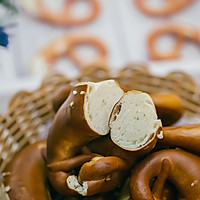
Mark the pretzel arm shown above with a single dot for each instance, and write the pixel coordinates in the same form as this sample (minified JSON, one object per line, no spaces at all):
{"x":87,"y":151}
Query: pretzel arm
{"x":71,"y":163}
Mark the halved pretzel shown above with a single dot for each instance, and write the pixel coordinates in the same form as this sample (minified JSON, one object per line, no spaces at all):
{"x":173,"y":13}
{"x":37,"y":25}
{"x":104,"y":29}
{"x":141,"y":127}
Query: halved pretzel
{"x":83,"y":117}
{"x":134,"y":128}
{"x":64,"y":17}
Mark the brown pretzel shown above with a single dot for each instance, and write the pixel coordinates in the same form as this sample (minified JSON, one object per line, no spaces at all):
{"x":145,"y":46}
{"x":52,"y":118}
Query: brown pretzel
{"x":76,"y":123}
{"x":64,"y":17}
{"x":181,"y":34}
{"x":65,"y":46}
{"x":186,"y":137}
{"x":27,"y":175}
{"x":60,"y":96}
{"x":103,"y":174}
{"x":170,"y":7}
{"x":33,"y":182}
{"x":133,"y":116}
{"x":169,"y":107}
{"x":181,"y":168}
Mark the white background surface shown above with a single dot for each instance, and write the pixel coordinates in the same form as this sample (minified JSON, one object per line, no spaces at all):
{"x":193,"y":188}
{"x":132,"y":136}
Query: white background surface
{"x":120,"y":25}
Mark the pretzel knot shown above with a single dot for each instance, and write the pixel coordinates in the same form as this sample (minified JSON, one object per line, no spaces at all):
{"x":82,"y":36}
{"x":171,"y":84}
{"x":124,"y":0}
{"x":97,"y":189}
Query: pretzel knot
{"x":100,"y":175}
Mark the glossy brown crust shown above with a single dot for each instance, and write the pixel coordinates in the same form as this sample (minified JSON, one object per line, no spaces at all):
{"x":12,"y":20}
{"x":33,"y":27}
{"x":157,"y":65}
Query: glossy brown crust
{"x":60,"y":96}
{"x":170,"y":7}
{"x":186,"y":137}
{"x":183,"y":170}
{"x":169,"y":192}
{"x":181,"y":34}
{"x":106,"y":147}
{"x":65,"y":16}
{"x":111,"y":171}
{"x":169,"y":107}
{"x":103,"y":175}
{"x":28,"y":174}
{"x":68,"y":134}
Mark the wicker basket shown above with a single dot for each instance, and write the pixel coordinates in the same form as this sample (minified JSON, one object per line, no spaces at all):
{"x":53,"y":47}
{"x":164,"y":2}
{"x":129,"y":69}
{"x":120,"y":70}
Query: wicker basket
{"x":30,"y":113}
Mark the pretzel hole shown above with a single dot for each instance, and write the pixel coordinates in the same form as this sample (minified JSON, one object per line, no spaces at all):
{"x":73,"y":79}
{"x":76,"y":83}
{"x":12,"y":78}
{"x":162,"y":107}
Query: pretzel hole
{"x":80,"y":9}
{"x":165,"y":43}
{"x":86,"y":52}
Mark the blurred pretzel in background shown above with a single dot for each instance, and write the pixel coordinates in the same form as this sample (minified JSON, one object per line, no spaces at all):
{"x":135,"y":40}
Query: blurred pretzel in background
{"x":64,"y":17}
{"x":170,"y":7}
{"x":182,"y":33}
{"x":66,"y":46}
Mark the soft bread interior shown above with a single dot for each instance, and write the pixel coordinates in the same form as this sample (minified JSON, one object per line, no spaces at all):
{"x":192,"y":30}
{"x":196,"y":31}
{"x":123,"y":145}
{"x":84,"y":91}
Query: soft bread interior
{"x":134,"y":121}
{"x":72,"y":182}
{"x":100,"y":99}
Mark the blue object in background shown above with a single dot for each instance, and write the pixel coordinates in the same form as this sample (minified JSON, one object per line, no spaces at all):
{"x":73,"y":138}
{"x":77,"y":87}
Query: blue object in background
{"x":3,"y":37}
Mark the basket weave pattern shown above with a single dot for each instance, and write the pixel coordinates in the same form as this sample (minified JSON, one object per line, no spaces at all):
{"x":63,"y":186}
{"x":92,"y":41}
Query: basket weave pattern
{"x":30,"y":113}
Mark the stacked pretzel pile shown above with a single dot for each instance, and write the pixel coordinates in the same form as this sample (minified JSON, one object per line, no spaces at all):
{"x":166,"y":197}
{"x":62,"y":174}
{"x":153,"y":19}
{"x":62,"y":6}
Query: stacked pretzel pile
{"x":103,"y":136}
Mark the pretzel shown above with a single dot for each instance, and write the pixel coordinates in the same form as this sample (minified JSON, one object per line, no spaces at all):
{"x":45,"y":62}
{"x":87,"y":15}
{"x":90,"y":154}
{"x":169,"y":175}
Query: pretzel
{"x":60,"y":96}
{"x":166,"y":164}
{"x":170,"y":7}
{"x":65,"y":46}
{"x":169,"y":192}
{"x":186,"y":137}
{"x":27,"y":175}
{"x":82,"y":117}
{"x":33,"y":182}
{"x":64,"y":17}
{"x":133,"y":128}
{"x":181,"y":33}
{"x":169,"y":107}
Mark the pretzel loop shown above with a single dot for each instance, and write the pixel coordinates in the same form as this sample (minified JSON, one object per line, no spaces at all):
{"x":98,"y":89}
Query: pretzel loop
{"x":170,"y":7}
{"x":64,"y":17}
{"x":180,"y":33}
